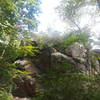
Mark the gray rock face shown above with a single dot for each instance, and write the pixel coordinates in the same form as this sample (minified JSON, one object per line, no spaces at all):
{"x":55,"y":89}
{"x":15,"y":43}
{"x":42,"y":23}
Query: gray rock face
{"x":76,"y":51}
{"x":83,"y":59}
{"x":76,"y":54}
{"x":50,"y":57}
{"x":58,"y":58}
{"x":86,"y":60}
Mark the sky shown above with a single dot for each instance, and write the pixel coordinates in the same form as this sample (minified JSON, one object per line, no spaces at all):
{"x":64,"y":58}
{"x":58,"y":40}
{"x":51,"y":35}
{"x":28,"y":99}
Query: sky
{"x":50,"y":19}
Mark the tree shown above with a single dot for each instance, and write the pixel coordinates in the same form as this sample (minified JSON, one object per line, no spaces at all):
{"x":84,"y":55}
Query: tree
{"x":71,"y":11}
{"x":27,"y":12}
{"x":10,"y":15}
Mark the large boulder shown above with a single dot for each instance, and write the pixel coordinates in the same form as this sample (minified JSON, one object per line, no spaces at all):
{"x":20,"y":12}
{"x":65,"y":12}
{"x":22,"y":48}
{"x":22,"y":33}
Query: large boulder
{"x":44,"y":58}
{"x":76,"y":54}
{"x":77,"y":51}
{"x":26,"y":84}
{"x":27,"y":66}
{"x":50,"y":57}
{"x":59,"y":58}
{"x":86,"y":59}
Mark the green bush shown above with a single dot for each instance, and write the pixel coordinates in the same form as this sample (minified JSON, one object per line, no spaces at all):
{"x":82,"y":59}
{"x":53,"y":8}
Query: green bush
{"x":29,"y":50}
{"x":5,"y":96}
{"x":64,"y":83}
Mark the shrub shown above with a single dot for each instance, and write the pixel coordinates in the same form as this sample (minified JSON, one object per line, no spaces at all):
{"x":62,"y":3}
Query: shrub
{"x":5,"y":96}
{"x":63,"y":83}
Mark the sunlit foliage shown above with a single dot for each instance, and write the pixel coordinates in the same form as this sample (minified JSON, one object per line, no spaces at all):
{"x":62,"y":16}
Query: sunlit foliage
{"x":11,"y":12}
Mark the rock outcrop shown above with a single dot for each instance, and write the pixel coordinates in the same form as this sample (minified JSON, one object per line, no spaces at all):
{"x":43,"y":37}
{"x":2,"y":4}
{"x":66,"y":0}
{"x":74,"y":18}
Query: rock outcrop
{"x":84,"y":60}
{"x":26,"y":84}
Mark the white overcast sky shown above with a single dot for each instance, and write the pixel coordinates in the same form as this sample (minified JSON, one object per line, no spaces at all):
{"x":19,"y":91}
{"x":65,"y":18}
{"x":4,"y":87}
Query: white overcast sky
{"x":49,"y":18}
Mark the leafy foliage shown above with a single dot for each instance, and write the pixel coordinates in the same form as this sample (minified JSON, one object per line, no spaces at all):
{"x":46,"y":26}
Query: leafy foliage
{"x":28,"y":10}
{"x":10,"y":38}
{"x":61,"y":83}
{"x":68,"y":9}
{"x":5,"y":96}
{"x":81,"y":38}
{"x":24,"y":51}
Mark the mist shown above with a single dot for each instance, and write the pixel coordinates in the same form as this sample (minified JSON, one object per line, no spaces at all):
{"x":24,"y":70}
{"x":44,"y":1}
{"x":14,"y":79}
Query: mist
{"x":53,"y":25}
